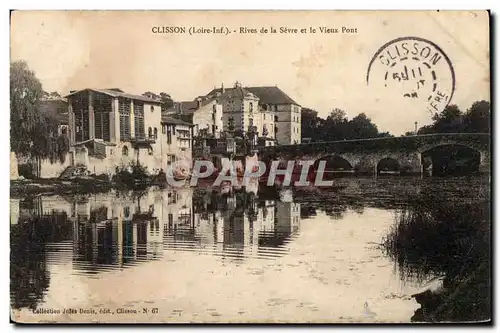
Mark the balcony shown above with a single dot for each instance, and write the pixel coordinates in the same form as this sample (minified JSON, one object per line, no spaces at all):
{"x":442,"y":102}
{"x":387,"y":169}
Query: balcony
{"x":143,"y":140}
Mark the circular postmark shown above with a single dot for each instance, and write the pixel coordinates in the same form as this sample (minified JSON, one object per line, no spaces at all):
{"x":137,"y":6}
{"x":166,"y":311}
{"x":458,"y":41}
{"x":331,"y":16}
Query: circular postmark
{"x":416,"y":69}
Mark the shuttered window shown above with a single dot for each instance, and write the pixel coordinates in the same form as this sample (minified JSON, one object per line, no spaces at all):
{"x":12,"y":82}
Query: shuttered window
{"x":139,"y":119}
{"x":102,"y":108}
{"x":80,"y":106}
{"x":124,"y":110}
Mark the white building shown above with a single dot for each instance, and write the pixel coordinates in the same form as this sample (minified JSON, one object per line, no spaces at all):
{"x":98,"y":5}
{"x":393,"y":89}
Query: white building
{"x":274,"y":114}
{"x":110,"y":128}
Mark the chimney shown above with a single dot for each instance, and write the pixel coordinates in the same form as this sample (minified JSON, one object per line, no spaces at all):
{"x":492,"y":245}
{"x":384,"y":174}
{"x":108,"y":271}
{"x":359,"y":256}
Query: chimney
{"x":199,"y":102}
{"x":180,"y":107}
{"x":222,"y":87}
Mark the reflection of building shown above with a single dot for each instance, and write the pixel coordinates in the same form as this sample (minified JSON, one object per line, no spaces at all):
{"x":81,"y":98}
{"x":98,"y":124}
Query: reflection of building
{"x":112,"y":230}
{"x":121,"y":229}
{"x":240,"y":224}
{"x":15,"y":207}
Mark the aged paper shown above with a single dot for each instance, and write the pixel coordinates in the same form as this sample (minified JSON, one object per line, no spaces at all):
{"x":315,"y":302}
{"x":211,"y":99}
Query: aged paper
{"x":250,"y":166}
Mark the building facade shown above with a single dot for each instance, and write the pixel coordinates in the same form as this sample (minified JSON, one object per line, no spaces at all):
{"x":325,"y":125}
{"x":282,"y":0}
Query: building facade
{"x":270,"y":111}
{"x":110,"y":128}
{"x":204,"y":113}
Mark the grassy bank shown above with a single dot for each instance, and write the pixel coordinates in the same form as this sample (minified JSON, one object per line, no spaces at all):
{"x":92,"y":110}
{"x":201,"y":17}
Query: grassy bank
{"x":21,"y":188}
{"x":436,"y":237}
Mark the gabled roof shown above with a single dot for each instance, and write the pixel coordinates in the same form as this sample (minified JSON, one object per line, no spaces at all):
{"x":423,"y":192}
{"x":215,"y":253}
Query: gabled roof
{"x":115,"y":93}
{"x":266,"y":95}
{"x":175,"y":121}
{"x":236,"y":92}
{"x":271,"y":95}
{"x":187,"y":107}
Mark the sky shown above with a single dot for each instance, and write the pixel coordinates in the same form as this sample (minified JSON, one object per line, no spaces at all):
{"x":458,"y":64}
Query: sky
{"x":70,"y":50}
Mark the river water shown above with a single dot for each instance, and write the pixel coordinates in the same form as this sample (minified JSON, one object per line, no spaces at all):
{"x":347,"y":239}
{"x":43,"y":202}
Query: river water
{"x":196,"y":255}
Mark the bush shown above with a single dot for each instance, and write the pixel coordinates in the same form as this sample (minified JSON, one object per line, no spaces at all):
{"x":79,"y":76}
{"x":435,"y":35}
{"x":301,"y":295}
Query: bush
{"x":26,"y":170}
{"x":132,"y":174}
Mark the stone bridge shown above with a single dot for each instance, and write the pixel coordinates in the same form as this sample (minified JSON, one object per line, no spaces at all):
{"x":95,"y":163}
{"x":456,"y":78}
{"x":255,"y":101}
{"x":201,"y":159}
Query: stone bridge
{"x":411,"y":153}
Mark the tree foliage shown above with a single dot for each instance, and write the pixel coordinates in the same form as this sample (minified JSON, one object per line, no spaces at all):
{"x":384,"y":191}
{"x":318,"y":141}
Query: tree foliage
{"x":163,"y":97}
{"x":33,"y":134}
{"x":452,"y":120}
{"x":337,"y":126}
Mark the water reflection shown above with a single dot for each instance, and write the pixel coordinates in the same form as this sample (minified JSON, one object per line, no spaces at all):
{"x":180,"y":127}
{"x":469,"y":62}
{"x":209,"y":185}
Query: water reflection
{"x":103,"y":232}
{"x":325,"y":239}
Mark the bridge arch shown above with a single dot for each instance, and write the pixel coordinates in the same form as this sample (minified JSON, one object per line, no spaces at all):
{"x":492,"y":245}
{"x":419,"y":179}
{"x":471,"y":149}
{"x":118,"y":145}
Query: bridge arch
{"x":388,"y":165}
{"x":335,"y":162}
{"x":451,"y":159}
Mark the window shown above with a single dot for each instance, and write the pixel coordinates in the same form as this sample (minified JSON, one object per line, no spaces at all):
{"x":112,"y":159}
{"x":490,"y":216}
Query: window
{"x":125,"y":151}
{"x":163,"y":129}
{"x":275,"y":118}
{"x":139,"y":119}
{"x":251,"y":107}
{"x":151,"y":209}
{"x":152,"y":108}
{"x":150,"y":150}
{"x":150,"y":132}
{"x":276,"y":108}
{"x":169,"y":134}
{"x":124,"y":111}
{"x":155,"y":133}
{"x":126,"y":211}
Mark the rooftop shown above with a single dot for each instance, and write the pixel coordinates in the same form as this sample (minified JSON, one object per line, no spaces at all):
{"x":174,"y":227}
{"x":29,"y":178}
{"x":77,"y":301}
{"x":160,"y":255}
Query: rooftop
{"x":175,"y":121}
{"x":115,"y":92}
{"x":188,"y":107}
{"x":266,"y":94}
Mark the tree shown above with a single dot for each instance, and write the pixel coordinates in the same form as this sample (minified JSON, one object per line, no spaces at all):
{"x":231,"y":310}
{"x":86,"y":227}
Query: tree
{"x":167,"y":100}
{"x":151,"y":95}
{"x":452,"y":120}
{"x":337,"y":127}
{"x":477,"y":118}
{"x":310,"y":123}
{"x":25,"y":95}
{"x":338,"y":115}
{"x":33,"y":134}
{"x":449,"y":120}
{"x":361,"y":127}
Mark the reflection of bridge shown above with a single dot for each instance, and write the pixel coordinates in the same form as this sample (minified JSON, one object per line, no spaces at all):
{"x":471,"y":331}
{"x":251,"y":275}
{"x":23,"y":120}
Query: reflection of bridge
{"x":364,"y":155}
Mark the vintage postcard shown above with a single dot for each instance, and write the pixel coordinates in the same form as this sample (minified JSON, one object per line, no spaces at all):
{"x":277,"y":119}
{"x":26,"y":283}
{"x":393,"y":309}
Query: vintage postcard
{"x":250,"y":167}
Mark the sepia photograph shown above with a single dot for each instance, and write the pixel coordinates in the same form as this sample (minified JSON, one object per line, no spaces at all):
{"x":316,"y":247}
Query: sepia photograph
{"x":250,"y":167}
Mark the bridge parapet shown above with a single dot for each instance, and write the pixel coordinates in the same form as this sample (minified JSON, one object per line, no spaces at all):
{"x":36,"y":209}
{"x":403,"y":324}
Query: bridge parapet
{"x":477,"y":141}
{"x":364,"y":154}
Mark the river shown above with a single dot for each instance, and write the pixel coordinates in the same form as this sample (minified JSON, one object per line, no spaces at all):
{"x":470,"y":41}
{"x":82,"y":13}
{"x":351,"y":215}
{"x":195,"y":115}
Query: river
{"x":253,"y":255}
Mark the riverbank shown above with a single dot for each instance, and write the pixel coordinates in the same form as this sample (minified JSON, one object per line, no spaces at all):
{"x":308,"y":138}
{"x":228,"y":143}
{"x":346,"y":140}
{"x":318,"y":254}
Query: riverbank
{"x":24,"y":187}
